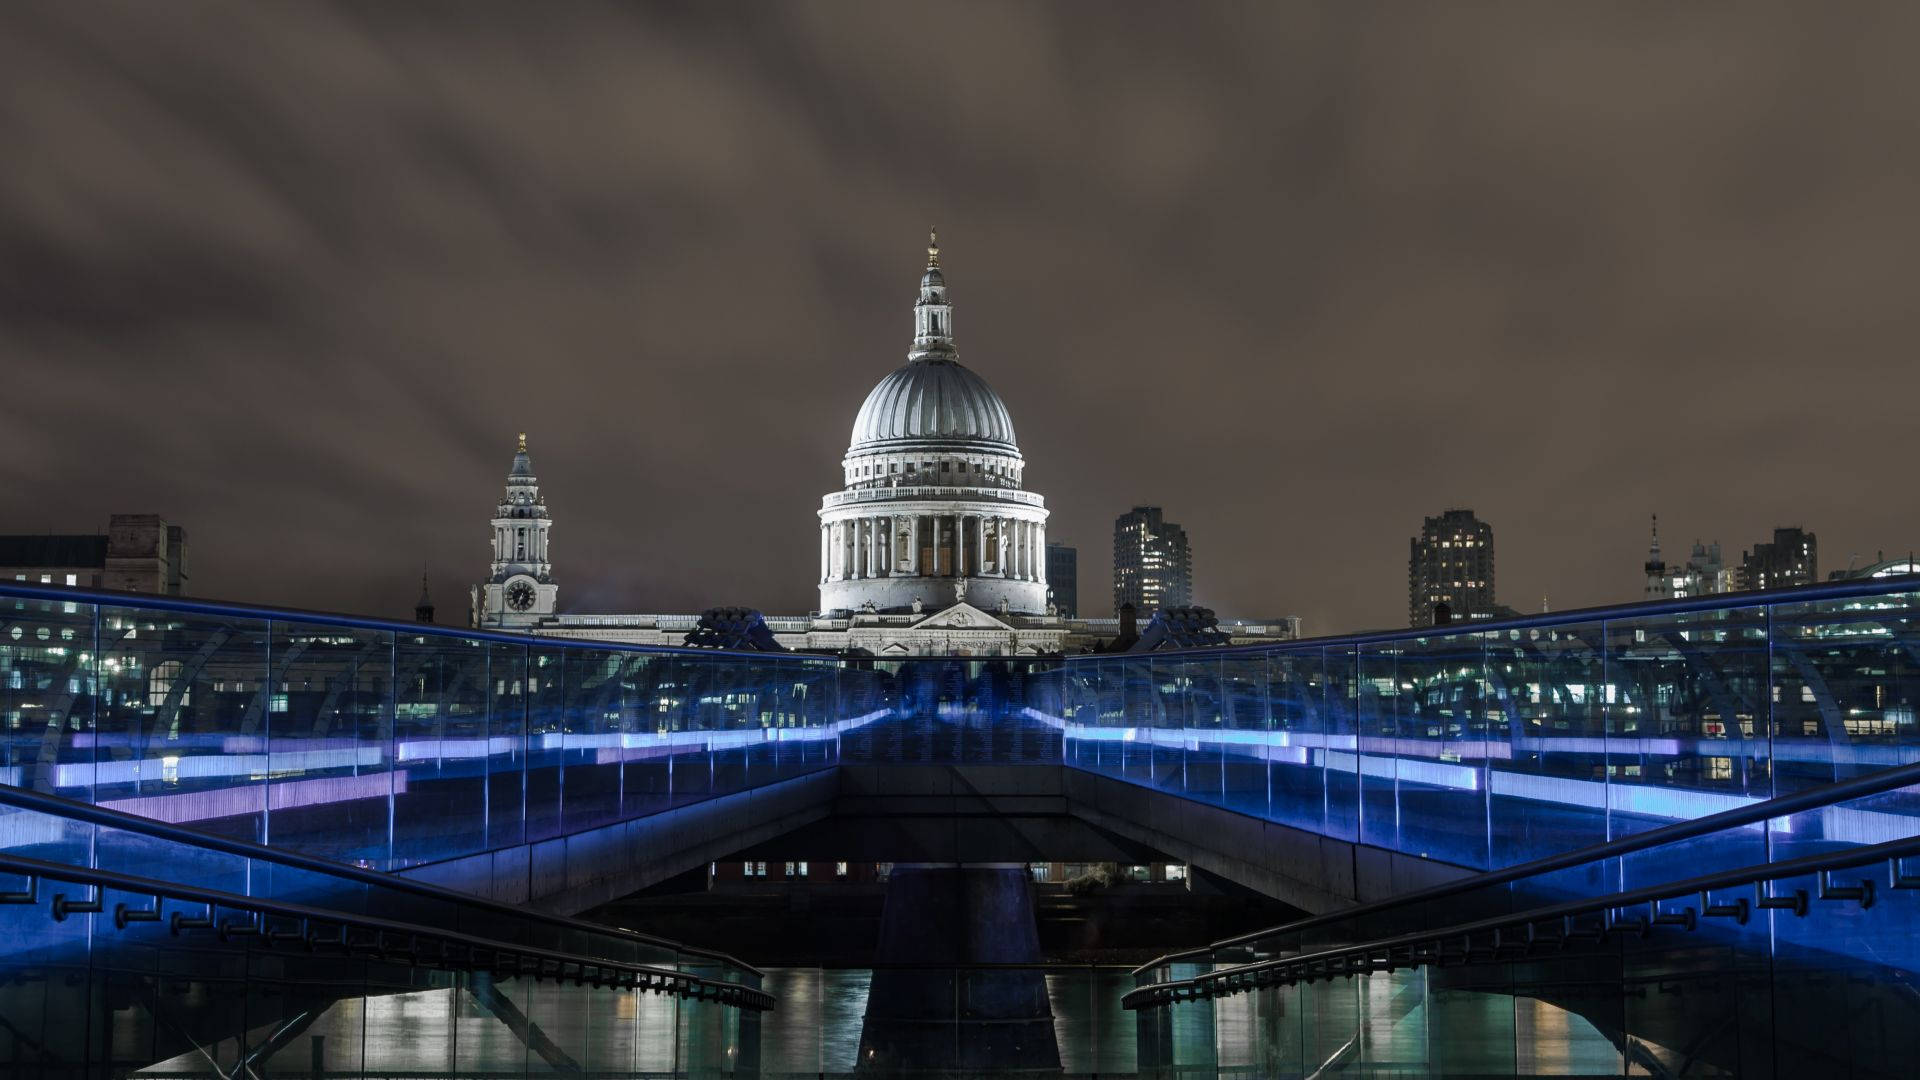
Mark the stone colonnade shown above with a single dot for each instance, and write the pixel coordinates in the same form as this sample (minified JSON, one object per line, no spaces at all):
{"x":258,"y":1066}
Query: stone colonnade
{"x":951,"y":545}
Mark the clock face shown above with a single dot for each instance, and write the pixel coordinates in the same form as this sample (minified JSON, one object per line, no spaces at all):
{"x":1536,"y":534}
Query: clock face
{"x":520,"y":596}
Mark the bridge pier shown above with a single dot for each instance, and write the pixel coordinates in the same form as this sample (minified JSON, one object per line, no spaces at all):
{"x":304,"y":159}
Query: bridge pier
{"x":933,"y":1015}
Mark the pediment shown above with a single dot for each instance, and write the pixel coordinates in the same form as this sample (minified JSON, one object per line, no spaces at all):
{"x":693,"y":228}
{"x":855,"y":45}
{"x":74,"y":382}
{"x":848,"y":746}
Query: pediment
{"x":961,"y":616}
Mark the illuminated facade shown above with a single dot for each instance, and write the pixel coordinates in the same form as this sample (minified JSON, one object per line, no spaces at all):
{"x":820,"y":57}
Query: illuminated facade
{"x":1152,"y":562}
{"x":520,"y":592}
{"x":139,"y":553}
{"x":1451,"y":563}
{"x":932,"y":546}
{"x":1703,"y":574}
{"x":1793,"y":558}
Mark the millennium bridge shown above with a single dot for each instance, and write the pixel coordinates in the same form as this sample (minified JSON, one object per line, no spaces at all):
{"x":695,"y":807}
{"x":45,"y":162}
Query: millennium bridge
{"x":1666,"y":839}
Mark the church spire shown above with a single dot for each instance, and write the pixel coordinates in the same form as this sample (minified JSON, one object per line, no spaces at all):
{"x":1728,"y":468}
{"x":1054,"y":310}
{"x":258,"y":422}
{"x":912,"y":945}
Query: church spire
{"x":1658,"y":587}
{"x":522,"y":463}
{"x":423,"y":607}
{"x":932,"y":314}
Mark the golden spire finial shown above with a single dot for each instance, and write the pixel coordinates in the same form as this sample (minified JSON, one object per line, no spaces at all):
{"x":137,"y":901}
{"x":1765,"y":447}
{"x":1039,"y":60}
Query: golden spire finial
{"x":523,"y":442}
{"x":933,"y":248}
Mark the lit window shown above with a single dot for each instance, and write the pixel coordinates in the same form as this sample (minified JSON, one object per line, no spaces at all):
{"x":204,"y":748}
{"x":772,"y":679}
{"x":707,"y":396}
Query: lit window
{"x":46,"y":579}
{"x":839,"y":869}
{"x":160,"y":681}
{"x":73,"y":579}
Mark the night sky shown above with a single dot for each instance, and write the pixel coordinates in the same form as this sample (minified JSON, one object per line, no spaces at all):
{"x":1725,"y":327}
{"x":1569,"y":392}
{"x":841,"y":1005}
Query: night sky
{"x":293,"y":276}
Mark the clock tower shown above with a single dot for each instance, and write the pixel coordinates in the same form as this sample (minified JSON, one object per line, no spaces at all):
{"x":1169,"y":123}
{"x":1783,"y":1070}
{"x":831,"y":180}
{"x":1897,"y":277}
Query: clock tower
{"x":520,"y":592}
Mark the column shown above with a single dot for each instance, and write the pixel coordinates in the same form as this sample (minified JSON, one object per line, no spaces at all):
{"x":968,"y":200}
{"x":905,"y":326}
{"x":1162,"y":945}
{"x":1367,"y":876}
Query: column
{"x":913,"y":544}
{"x":1040,"y":551}
{"x":1001,"y":545}
{"x":959,"y":568}
{"x":867,"y":569}
{"x":933,"y":545}
{"x":825,"y":552}
{"x":980,"y":543}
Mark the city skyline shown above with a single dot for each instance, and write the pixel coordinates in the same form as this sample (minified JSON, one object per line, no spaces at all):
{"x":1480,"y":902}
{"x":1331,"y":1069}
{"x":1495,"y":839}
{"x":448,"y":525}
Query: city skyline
{"x":341,"y":297}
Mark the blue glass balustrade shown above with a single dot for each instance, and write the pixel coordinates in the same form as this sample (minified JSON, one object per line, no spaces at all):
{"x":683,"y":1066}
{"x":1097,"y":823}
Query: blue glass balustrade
{"x":1487,"y":746}
{"x":393,"y":744}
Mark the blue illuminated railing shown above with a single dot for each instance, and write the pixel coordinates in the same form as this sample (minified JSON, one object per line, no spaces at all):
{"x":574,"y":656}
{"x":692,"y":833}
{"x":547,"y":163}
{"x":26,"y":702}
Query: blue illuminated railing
{"x":1490,"y":744}
{"x":1626,"y":954}
{"x":129,"y":947}
{"x":377,"y":743}
{"x":392,"y":744}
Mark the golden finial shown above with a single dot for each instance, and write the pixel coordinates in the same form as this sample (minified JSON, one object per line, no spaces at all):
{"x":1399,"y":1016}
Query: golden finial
{"x":933,"y":248}
{"x":523,"y":442}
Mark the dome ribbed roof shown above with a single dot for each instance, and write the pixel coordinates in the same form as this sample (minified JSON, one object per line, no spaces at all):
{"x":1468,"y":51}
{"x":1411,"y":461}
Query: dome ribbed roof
{"x":933,"y":400}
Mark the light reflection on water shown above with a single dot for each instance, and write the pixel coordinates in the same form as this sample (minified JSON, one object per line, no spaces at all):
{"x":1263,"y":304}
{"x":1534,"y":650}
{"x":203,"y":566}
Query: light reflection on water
{"x":816,"y":1029}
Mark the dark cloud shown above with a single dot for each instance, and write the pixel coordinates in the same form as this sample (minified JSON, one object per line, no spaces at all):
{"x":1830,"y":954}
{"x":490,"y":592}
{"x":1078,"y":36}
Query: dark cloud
{"x":293,"y":275}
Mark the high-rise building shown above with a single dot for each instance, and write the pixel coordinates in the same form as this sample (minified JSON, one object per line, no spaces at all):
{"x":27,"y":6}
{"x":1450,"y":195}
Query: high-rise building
{"x":1703,"y":574}
{"x":1152,"y":564}
{"x":1063,"y":580}
{"x":1450,"y":563}
{"x":139,"y":553}
{"x":1791,"y":559}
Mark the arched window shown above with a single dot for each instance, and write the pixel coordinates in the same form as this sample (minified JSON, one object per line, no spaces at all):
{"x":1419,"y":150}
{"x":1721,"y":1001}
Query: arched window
{"x":160,"y":681}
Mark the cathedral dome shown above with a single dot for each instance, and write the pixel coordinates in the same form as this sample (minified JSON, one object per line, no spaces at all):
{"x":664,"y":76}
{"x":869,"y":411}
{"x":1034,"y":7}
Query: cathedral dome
{"x":933,"y":400}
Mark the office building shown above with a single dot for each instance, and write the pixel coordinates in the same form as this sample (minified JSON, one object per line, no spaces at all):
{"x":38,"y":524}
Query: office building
{"x":1063,"y":580}
{"x":1152,"y":562}
{"x":1450,"y":568}
{"x":1792,"y":558}
{"x":138,"y":553}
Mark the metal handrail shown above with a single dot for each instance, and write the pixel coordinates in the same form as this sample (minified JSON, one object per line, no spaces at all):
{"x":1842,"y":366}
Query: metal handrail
{"x":639,"y":976}
{"x":119,"y":819}
{"x":1405,"y":950}
{"x":1833,"y":590}
{"x":1812,"y":798}
{"x":1759,"y":598}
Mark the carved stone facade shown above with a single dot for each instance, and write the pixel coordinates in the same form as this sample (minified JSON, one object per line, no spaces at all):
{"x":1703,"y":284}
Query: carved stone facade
{"x":931,"y":547}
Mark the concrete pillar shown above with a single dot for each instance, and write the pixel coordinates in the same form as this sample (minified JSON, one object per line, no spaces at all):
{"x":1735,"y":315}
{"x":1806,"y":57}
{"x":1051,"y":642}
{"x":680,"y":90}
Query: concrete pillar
{"x":913,"y":544}
{"x":1040,"y":551}
{"x":980,"y":544}
{"x":995,"y":1020}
